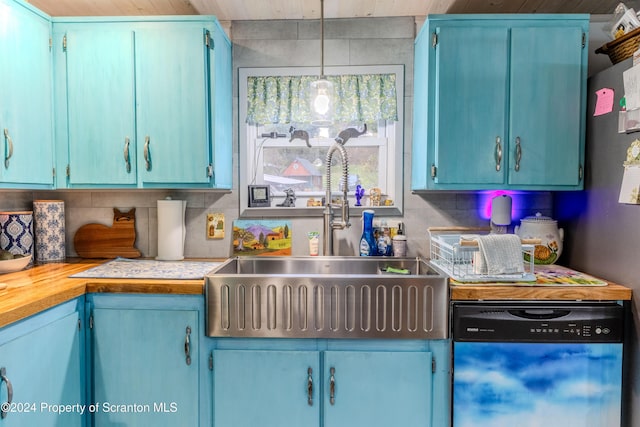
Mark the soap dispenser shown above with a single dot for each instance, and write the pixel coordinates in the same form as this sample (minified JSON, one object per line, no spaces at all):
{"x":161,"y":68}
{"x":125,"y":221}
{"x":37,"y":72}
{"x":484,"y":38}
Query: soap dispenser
{"x":368,"y":245}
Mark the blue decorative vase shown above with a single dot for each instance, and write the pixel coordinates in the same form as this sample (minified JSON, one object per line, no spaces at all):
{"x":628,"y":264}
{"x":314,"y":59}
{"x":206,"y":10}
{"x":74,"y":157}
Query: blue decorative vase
{"x":16,"y":233}
{"x":49,"y":230}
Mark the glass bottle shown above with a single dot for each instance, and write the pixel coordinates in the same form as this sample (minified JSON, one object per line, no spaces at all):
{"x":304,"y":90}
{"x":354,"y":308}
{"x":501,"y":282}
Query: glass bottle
{"x":384,"y":242}
{"x":368,"y":245}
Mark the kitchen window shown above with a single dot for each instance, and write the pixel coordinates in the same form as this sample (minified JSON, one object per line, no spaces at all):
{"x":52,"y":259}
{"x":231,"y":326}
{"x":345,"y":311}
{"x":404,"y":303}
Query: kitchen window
{"x":281,"y":149}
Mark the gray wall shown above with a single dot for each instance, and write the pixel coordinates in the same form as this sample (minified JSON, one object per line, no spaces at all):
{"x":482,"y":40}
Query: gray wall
{"x":362,"y":41}
{"x":602,"y":236}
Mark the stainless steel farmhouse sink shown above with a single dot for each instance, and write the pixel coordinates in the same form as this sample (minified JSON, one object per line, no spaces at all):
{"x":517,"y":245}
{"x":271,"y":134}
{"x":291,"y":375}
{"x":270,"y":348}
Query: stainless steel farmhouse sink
{"x":327,"y":297}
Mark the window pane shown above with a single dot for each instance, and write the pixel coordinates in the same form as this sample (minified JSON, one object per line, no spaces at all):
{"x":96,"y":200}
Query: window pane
{"x":293,"y":155}
{"x":296,"y":167}
{"x":303,"y":169}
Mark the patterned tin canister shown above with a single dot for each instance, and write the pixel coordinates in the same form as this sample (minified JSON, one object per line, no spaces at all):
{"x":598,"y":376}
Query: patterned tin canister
{"x":16,"y":232}
{"x":49,"y":230}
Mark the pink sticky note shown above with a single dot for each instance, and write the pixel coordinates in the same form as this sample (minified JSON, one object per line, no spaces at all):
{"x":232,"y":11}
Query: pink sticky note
{"x":604,"y":103}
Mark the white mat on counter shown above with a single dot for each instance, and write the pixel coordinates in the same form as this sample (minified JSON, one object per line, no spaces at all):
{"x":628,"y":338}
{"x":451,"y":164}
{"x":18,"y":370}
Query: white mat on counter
{"x":125,"y":268}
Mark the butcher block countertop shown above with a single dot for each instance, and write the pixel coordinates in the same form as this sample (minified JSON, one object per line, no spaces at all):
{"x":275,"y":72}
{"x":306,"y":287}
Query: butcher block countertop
{"x":611,"y":292}
{"x":553,"y":282}
{"x":34,"y":290}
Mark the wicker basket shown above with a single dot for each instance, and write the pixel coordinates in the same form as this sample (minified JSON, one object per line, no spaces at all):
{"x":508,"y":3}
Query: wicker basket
{"x":622,"y":47}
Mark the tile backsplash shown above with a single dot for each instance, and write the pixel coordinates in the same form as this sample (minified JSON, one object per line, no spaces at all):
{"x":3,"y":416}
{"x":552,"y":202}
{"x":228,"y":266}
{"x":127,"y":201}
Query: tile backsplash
{"x":421,"y":211}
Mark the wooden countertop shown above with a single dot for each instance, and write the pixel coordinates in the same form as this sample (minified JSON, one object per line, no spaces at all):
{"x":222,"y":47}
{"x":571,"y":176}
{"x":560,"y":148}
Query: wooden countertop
{"x":611,"y":292}
{"x":554,"y":282}
{"x":34,"y":290}
{"x":31,"y":291}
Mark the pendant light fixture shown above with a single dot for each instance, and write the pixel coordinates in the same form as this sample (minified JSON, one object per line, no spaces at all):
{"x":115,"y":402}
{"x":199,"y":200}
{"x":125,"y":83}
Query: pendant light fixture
{"x":322,"y":89}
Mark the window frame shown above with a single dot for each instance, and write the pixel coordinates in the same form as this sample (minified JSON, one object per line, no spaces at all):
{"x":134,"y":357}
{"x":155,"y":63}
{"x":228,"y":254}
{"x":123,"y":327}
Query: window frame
{"x":247,"y":157}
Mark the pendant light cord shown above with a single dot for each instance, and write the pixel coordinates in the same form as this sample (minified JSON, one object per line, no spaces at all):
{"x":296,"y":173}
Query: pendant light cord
{"x":321,"y":39}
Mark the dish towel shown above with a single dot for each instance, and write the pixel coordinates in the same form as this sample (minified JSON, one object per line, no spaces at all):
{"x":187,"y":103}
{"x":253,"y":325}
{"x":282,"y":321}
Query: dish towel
{"x":499,"y":254}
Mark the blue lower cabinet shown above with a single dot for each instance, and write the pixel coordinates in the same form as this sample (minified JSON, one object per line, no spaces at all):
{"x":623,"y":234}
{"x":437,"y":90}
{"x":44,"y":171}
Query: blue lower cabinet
{"x":377,"y":384}
{"x":41,"y":373}
{"x":377,"y":389}
{"x":145,"y":361}
{"x":266,"y":388}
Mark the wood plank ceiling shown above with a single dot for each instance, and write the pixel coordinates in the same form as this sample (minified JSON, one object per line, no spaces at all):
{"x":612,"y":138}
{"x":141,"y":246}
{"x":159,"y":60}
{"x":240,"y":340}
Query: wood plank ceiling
{"x":238,"y":10}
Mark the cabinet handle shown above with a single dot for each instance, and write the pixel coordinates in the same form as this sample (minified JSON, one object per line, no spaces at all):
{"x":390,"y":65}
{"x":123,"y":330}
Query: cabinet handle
{"x":187,"y":346}
{"x":332,"y":386}
{"x":147,"y":154}
{"x":518,"y":153}
{"x":127,"y":159}
{"x":498,"y":154}
{"x":5,"y":407}
{"x":9,"y":143}
{"x":310,"y":387}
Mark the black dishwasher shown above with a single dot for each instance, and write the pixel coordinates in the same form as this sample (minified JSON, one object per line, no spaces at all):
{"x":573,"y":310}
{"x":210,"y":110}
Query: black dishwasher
{"x":537,"y":364}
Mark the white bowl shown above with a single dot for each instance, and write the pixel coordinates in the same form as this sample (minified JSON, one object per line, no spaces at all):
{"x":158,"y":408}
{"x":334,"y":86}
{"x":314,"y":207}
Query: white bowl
{"x":15,"y":264}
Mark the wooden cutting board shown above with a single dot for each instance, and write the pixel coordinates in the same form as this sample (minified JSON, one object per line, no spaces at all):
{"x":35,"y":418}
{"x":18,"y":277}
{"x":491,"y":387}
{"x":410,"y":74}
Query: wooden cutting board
{"x":101,"y":241}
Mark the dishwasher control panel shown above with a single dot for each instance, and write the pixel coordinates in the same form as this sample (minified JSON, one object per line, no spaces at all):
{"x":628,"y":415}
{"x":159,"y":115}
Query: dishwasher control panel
{"x":538,"y":322}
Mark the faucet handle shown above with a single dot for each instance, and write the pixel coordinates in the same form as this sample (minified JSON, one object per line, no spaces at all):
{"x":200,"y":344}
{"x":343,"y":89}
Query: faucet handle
{"x":345,"y":212}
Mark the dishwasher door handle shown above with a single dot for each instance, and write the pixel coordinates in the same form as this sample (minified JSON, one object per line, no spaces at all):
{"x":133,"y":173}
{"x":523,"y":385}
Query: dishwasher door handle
{"x":539,"y":313}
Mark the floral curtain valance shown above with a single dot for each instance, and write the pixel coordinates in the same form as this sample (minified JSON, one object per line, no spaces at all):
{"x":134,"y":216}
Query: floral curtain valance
{"x":286,"y":99}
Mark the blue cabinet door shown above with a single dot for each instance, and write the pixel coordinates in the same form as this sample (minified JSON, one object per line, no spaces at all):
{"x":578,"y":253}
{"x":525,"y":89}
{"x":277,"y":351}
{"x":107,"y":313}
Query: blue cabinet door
{"x":546,"y":108}
{"x":100,"y":92}
{"x":471,"y":86}
{"x":26,"y":123}
{"x":500,"y":108}
{"x":141,"y":375}
{"x":377,"y":389}
{"x":222,"y":109}
{"x":271,"y":388}
{"x":144,"y":103}
{"x":41,"y":359}
{"x":174,"y":142}
{"x":266,"y":388}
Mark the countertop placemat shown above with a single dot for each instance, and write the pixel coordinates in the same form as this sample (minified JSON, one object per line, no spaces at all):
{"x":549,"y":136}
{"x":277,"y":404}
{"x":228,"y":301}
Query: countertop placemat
{"x":548,"y":275}
{"x":124,"y":268}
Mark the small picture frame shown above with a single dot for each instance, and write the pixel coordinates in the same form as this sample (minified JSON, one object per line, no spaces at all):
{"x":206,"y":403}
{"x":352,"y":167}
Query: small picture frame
{"x":259,"y":196}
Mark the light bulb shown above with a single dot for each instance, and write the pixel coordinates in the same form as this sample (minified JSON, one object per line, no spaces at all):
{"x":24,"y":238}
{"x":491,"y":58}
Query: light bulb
{"x":321,"y":104}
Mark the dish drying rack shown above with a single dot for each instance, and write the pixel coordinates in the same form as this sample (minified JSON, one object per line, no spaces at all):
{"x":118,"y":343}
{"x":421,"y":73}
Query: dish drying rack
{"x":454,"y":251}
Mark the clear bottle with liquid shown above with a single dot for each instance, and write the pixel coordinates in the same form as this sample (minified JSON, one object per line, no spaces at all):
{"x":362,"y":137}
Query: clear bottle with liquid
{"x":384,"y":242}
{"x":368,"y":246}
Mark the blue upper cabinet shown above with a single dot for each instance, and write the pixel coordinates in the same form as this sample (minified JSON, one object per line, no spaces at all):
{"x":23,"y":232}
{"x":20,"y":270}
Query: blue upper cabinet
{"x":171,"y":96}
{"x":144,"y":103}
{"x":100,"y":127}
{"x":500,"y":102}
{"x":26,"y":123}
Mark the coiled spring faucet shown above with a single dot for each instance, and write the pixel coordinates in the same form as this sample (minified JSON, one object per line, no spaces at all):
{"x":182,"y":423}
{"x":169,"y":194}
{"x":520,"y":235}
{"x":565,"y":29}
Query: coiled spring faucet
{"x":330,"y":223}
